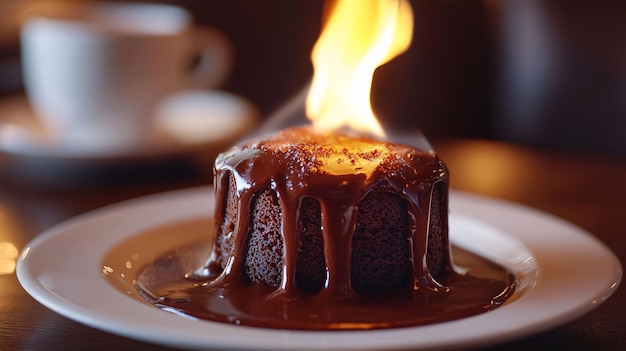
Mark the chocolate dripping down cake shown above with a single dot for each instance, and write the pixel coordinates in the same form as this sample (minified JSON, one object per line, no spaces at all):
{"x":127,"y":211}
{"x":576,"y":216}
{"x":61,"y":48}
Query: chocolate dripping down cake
{"x":309,"y":213}
{"x":318,"y":231}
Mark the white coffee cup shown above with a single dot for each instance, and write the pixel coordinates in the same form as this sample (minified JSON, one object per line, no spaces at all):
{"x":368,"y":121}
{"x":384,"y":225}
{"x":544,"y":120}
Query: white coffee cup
{"x":94,"y":72}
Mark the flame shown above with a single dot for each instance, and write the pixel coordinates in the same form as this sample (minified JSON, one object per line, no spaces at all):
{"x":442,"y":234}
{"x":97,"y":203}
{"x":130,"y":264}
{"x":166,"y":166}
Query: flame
{"x":358,"y":37}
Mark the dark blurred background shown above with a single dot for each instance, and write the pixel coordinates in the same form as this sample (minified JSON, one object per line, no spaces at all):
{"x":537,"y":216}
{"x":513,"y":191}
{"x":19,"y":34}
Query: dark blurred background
{"x":546,"y":73}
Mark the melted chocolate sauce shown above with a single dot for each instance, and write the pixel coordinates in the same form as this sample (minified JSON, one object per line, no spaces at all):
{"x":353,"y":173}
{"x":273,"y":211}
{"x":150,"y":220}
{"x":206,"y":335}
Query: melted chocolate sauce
{"x":483,"y":287}
{"x":338,"y":171}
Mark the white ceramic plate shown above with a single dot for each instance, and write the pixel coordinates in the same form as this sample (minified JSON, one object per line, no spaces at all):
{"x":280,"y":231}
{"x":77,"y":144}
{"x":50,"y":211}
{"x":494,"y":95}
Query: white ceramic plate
{"x":564,"y":273}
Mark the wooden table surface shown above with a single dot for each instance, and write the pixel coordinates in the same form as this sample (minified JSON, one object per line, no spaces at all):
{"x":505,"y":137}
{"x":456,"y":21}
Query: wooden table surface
{"x":586,"y":190}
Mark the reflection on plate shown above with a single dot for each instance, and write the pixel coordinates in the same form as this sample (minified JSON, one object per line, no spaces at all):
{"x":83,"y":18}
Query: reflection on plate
{"x":184,"y":122}
{"x":564,"y":273}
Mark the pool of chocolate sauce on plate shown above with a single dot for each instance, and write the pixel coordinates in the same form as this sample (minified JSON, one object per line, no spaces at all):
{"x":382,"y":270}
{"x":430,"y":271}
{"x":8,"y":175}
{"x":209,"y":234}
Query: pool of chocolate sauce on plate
{"x":481,"y":287}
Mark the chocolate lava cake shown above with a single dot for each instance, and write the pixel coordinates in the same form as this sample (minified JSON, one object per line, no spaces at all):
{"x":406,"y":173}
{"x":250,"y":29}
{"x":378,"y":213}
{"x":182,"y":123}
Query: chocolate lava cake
{"x":310,"y":213}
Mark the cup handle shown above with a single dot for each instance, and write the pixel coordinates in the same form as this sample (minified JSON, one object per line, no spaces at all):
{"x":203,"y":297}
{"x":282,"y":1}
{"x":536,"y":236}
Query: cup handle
{"x":215,"y":55}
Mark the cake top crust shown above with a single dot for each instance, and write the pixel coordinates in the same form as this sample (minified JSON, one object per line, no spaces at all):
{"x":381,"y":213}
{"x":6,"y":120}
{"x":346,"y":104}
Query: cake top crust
{"x":302,"y":154}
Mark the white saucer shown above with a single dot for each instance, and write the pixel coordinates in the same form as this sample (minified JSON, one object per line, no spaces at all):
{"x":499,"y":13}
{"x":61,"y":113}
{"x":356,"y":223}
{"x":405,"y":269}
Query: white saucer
{"x":83,"y":269}
{"x":184,"y":122}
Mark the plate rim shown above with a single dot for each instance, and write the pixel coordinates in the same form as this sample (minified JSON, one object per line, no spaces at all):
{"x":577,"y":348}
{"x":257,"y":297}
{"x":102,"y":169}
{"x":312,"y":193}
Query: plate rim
{"x":476,"y":207}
